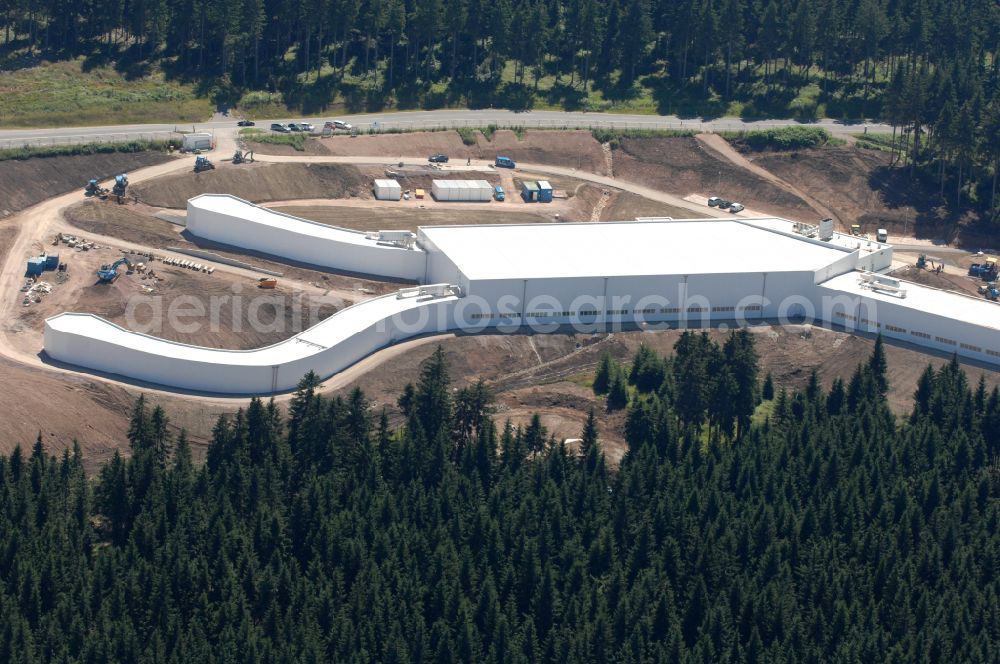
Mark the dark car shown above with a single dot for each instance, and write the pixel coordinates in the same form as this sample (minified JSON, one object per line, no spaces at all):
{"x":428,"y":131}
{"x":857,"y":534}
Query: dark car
{"x":438,"y":159}
{"x":246,"y":123}
{"x":280,"y":126}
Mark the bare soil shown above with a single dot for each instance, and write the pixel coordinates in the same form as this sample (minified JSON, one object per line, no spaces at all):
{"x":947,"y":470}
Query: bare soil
{"x":570,"y":148}
{"x":258,"y":182}
{"x":683,"y":166}
{"x":409,"y":218}
{"x":24,"y":183}
{"x":132,"y":223}
{"x":853,"y":182}
{"x":626,"y":206}
{"x":135,"y":224}
{"x":547,"y":374}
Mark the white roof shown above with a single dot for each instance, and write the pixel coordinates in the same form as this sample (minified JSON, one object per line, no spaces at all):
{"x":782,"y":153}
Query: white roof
{"x":693,"y":246}
{"x":464,"y":184}
{"x":320,"y":337}
{"x":386,"y":183}
{"x":237,"y":207}
{"x":925,"y":300}
{"x":849,"y":242}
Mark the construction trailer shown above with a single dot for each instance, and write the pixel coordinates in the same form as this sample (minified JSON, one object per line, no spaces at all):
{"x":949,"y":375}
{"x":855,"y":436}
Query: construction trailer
{"x":544,"y":191}
{"x":197,"y":141}
{"x":51,"y":261}
{"x":529,"y":191}
{"x":36,"y":265}
{"x":462,"y":190}
{"x":387,"y":190}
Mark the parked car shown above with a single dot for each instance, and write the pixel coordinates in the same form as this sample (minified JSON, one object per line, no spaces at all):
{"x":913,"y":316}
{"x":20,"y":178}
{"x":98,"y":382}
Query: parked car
{"x":337,"y":125}
{"x":714,"y":201}
{"x":306,"y":126}
{"x":504,"y":162}
{"x":294,"y":126}
{"x":438,"y":159}
{"x":498,"y":193}
{"x":280,"y":126}
{"x":735,"y":207}
{"x":724,"y":204}
{"x":246,"y":123}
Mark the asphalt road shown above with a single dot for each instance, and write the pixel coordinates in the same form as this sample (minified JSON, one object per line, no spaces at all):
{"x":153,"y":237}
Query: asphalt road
{"x":429,"y":119}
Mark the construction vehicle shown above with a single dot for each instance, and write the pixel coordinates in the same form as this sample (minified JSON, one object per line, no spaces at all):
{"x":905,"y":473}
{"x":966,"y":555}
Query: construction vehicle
{"x":93,"y":188}
{"x":240,"y":157}
{"x":990,"y":291}
{"x":987,"y":271}
{"x":882,"y":235}
{"x":267,"y":282}
{"x":203,"y":164}
{"x":933,"y":263}
{"x":108,"y":273}
{"x":121,"y":184}
{"x":856,"y":230}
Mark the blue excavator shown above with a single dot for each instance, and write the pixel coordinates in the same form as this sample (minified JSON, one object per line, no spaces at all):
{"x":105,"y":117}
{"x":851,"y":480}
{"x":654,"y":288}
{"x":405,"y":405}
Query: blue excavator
{"x":108,"y":273}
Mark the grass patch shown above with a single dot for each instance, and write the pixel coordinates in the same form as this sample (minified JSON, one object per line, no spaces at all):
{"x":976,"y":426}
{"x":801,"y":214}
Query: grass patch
{"x":614,"y":136}
{"x":297,"y":140}
{"x":784,"y":138}
{"x":468,"y":135}
{"x":29,"y":152}
{"x":70,"y":94}
{"x":763,"y":411}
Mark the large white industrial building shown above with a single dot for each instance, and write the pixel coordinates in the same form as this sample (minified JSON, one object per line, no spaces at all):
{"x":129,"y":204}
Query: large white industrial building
{"x":543,"y":277}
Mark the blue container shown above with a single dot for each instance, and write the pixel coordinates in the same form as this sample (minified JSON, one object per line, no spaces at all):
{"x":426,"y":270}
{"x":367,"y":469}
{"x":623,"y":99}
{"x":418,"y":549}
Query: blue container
{"x":52,"y":261}
{"x":544,"y":191}
{"x":36,"y":266}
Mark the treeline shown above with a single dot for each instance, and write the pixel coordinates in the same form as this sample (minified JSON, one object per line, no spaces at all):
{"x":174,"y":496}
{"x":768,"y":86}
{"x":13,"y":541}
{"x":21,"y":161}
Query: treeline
{"x":826,"y":531}
{"x":930,"y":67}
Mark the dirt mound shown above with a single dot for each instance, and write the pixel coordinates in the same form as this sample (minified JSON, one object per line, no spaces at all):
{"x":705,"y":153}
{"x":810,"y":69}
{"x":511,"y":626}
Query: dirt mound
{"x":122,"y":221}
{"x":683,"y":166}
{"x":25,"y":183}
{"x":572,"y":149}
{"x":258,"y":182}
{"x":625,"y":206}
{"x":846,"y":179}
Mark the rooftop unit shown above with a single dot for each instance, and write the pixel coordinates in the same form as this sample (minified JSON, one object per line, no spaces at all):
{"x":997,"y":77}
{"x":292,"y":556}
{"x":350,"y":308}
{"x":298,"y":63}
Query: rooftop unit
{"x":877,"y":282}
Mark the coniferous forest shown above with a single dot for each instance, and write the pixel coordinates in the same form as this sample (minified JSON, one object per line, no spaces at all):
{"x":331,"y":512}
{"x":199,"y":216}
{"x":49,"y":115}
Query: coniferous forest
{"x":822,"y":529}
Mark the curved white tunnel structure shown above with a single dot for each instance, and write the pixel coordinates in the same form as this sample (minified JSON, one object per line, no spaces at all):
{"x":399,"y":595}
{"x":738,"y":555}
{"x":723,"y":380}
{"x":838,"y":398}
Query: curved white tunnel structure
{"x":230,"y":220}
{"x":676,"y":273}
{"x":326,"y":348}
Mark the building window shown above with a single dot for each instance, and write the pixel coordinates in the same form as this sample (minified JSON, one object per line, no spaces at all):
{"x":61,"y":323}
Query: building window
{"x":943,"y":340}
{"x":922,"y":335}
{"x":718,"y":309}
{"x":893,"y":328}
{"x":971,"y":347}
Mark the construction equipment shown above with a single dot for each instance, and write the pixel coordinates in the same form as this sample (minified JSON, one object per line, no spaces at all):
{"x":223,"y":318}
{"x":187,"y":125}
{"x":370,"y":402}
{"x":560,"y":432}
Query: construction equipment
{"x":108,"y":273}
{"x":932,"y":263}
{"x":203,"y":164}
{"x":986,"y":271}
{"x":991,"y":292}
{"x":856,"y":230}
{"x":240,"y":157}
{"x":882,"y":235}
{"x":93,"y":188}
{"x":121,"y":184}
{"x":267,"y":282}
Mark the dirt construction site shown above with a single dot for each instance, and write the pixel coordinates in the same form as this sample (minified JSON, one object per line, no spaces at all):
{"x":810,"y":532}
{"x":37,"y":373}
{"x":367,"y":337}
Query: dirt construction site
{"x":233,"y":298}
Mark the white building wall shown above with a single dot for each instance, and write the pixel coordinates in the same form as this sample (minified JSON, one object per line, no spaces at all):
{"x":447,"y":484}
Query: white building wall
{"x":343,"y":252}
{"x":238,"y":372}
{"x":896,"y":321}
